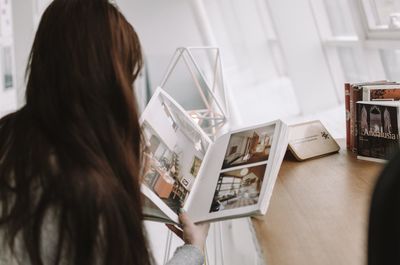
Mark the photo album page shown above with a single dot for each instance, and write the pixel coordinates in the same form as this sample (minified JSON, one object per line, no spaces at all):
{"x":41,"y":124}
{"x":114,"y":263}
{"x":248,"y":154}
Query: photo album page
{"x":175,"y":148}
{"x":240,"y":172}
{"x":230,"y":177}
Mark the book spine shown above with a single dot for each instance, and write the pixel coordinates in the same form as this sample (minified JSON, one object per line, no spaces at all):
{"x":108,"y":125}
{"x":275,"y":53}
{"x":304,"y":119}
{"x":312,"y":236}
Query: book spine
{"x":356,"y":95}
{"x":347,"y":109}
{"x":351,"y":118}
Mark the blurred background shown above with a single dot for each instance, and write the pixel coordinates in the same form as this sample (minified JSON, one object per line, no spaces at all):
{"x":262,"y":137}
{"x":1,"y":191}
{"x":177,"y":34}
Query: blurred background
{"x":281,"y":58}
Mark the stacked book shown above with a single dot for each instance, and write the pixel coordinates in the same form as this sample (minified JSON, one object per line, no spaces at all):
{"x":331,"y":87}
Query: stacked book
{"x":372,"y":119}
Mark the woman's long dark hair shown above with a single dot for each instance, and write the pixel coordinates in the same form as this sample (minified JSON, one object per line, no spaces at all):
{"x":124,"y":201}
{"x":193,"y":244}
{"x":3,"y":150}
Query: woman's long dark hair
{"x":73,"y":151}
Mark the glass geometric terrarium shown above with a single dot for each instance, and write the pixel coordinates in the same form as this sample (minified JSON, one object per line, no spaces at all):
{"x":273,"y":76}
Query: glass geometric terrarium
{"x":194,"y":79}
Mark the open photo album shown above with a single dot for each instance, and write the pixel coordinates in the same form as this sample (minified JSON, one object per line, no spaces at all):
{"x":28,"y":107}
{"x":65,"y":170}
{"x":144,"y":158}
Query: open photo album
{"x":230,"y":177}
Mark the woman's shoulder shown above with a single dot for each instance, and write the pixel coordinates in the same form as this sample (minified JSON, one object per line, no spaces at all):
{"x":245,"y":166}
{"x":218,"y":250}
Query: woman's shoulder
{"x":187,"y":254}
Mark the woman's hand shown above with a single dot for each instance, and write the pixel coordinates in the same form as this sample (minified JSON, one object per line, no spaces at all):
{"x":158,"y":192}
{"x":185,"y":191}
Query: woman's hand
{"x":192,"y":234}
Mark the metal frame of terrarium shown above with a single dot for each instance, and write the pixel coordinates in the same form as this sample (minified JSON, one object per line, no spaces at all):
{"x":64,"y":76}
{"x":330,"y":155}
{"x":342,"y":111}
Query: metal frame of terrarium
{"x":211,"y":119}
{"x":214,"y":116}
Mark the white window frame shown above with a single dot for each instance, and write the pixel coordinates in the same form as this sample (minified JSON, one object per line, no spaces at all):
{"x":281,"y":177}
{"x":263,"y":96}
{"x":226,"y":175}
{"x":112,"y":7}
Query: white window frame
{"x":239,"y":76}
{"x":272,"y":40}
{"x":331,"y":43}
{"x":274,"y":43}
{"x":373,"y":40}
{"x":374,"y":32}
{"x":368,"y":44}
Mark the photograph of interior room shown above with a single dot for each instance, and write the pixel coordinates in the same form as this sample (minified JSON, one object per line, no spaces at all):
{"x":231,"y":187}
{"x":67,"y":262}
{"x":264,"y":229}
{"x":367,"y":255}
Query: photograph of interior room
{"x":238,"y":188}
{"x":173,"y":158}
{"x":285,"y":59}
{"x":249,"y":147}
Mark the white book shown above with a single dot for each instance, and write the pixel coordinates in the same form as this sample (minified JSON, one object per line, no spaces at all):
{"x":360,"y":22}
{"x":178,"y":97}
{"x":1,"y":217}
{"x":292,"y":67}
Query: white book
{"x":387,"y":92}
{"x":230,"y":177}
{"x":371,"y":159}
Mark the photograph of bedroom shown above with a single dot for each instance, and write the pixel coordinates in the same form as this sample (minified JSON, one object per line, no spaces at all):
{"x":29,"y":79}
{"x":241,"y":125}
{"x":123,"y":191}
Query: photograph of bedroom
{"x":238,"y":188}
{"x":185,"y":124}
{"x":174,"y":155}
{"x":249,"y":147}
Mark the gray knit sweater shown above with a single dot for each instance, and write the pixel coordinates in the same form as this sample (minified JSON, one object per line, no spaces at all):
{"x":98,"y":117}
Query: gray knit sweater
{"x":187,"y":255}
{"x":184,"y":255}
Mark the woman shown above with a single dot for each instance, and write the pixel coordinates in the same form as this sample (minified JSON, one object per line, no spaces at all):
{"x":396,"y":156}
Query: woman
{"x":70,"y":159}
{"x":384,"y":217}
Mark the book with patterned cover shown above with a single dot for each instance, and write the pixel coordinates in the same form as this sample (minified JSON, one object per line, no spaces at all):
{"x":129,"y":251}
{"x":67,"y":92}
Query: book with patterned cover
{"x":378,"y":127}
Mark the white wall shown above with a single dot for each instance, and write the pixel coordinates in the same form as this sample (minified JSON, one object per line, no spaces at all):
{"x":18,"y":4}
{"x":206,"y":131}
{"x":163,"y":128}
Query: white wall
{"x":8,"y":101}
{"x":162,"y":27}
{"x":8,"y":98}
{"x":306,"y":61}
{"x":23,"y":39}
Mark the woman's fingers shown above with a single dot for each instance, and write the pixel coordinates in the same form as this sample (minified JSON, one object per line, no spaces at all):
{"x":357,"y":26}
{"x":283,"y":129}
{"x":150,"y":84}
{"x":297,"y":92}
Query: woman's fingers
{"x":185,"y":220}
{"x":194,"y":234}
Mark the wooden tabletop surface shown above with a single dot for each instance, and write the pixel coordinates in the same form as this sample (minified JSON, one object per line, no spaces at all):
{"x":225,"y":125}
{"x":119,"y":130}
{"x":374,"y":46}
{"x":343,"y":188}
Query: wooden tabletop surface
{"x":318,"y":212}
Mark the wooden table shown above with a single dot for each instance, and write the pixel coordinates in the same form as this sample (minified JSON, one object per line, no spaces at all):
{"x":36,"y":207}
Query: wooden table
{"x":319,"y":212}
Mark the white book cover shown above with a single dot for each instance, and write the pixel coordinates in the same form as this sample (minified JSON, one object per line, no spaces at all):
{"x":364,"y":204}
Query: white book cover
{"x":230,"y":177}
{"x":371,"y":159}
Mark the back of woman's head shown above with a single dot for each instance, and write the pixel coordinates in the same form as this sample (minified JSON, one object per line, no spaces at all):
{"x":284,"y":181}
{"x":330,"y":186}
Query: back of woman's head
{"x":73,"y":151}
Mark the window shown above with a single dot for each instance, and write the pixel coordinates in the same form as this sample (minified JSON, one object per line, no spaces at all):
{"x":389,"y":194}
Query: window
{"x":339,"y":16}
{"x":351,"y":60}
{"x":341,"y":41}
{"x":359,"y":39}
{"x":391,"y":63}
{"x":254,"y":64}
{"x":245,"y":32}
{"x":382,"y":14}
{"x":380,"y":19}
